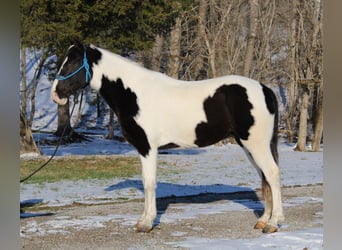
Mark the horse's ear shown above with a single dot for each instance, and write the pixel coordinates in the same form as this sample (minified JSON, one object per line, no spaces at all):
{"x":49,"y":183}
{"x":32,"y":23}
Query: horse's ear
{"x":77,"y":43}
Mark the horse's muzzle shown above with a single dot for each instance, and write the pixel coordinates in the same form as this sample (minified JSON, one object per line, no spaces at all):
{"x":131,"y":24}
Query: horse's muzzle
{"x":55,"y":97}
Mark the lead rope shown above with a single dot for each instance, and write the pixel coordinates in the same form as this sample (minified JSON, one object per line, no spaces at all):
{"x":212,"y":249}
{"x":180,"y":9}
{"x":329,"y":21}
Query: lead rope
{"x":58,"y":144}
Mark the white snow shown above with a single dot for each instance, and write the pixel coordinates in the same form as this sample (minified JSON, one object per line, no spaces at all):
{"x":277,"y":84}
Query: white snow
{"x":311,"y":239}
{"x":213,"y":169}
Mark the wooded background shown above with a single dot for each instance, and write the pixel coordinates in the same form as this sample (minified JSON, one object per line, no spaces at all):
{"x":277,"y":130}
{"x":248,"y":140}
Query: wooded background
{"x":276,"y":42}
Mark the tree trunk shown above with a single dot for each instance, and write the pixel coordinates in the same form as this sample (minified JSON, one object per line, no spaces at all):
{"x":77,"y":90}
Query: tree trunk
{"x":27,"y":143}
{"x":35,"y":80}
{"x":64,"y":127}
{"x":318,"y":132}
{"x":303,"y":121}
{"x":175,"y":38}
{"x":292,"y":55}
{"x":157,"y":53}
{"x":292,"y":63}
{"x":110,"y":135}
{"x":202,"y":20}
{"x":263,"y":46}
{"x":198,"y":64}
{"x":318,"y":122}
{"x":23,"y":89}
{"x":253,"y":25}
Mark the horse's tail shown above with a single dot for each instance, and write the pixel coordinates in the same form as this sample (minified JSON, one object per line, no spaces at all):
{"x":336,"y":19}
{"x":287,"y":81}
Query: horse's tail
{"x":272,"y":106}
{"x":274,"y":140}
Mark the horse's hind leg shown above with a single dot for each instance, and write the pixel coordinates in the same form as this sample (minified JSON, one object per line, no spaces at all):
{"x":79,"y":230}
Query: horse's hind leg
{"x":267,"y":195}
{"x":262,"y":159}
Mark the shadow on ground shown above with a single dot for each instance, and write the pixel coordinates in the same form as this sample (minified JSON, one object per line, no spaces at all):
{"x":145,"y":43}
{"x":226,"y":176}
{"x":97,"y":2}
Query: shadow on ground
{"x":191,"y":194}
{"x":29,"y":204}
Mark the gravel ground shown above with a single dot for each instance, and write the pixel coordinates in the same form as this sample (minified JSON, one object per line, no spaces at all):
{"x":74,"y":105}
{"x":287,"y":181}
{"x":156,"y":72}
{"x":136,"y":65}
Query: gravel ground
{"x":303,"y":208}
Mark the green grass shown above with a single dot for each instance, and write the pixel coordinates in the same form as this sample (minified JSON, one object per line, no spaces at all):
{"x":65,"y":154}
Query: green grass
{"x":81,"y":168}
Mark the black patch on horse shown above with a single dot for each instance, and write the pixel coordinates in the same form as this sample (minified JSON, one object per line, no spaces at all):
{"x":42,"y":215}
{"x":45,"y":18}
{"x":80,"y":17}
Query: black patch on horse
{"x":272,"y":106}
{"x":93,"y":56}
{"x":270,"y":99}
{"x":124,"y":104}
{"x":169,"y":146}
{"x":228,"y":112}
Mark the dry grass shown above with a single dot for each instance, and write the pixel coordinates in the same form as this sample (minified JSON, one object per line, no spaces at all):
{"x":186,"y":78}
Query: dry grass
{"x":81,"y":168}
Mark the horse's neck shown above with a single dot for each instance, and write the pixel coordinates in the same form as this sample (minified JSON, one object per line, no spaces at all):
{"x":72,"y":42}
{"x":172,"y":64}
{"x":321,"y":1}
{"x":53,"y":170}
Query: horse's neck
{"x":115,"y":78}
{"x":115,"y":66}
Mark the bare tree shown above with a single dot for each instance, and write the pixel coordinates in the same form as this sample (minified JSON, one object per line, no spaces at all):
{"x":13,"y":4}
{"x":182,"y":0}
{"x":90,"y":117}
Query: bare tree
{"x":309,"y":58}
{"x":27,"y":143}
{"x":110,"y":135}
{"x":23,"y":86}
{"x":303,"y":119}
{"x":193,"y":64}
{"x":272,"y":41}
{"x":316,"y":55}
{"x":266,"y":45}
{"x":253,"y":25}
{"x":174,"y":57}
{"x":318,"y":131}
{"x":157,"y":53}
{"x":293,"y":45}
{"x":212,"y":29}
{"x":202,"y":21}
{"x":28,"y":95}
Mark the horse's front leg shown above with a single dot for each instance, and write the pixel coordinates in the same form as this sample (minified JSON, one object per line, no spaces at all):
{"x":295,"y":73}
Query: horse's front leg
{"x":149,"y":172}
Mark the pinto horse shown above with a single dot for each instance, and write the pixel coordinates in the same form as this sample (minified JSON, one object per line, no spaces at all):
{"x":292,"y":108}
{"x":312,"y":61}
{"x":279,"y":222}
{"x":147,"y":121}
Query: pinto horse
{"x":157,"y":111}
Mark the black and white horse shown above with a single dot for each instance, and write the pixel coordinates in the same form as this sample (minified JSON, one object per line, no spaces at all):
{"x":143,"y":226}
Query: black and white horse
{"x":157,"y":111}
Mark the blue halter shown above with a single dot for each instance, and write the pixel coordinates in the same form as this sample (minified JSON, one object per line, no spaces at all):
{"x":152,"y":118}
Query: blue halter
{"x":85,"y":65}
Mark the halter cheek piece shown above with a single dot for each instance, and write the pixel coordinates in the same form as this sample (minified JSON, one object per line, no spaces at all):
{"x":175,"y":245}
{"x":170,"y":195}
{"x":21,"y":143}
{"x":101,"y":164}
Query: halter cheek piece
{"x":85,"y":65}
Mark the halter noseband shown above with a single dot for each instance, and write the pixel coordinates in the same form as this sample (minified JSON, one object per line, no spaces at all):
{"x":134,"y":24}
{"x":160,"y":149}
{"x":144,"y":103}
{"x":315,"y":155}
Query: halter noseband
{"x":85,"y":65}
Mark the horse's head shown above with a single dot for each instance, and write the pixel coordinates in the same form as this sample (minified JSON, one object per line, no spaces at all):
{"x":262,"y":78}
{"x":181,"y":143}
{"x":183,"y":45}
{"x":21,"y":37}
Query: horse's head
{"x":74,"y":74}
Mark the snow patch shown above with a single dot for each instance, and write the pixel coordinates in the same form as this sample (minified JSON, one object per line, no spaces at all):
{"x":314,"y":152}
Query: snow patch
{"x":310,"y":238}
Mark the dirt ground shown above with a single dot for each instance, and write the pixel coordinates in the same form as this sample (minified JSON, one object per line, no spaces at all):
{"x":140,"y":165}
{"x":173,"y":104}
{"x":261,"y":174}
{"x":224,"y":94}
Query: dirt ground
{"x":118,"y":235}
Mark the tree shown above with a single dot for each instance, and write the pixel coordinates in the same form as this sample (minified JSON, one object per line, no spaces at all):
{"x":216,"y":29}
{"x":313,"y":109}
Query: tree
{"x":253,"y":25}
{"x":27,"y":143}
{"x":280,"y":45}
{"x":309,"y":71}
{"x":318,"y":129}
{"x":157,"y":53}
{"x":302,"y":133}
{"x":175,"y":39}
{"x":47,"y":26}
{"x":316,"y":57}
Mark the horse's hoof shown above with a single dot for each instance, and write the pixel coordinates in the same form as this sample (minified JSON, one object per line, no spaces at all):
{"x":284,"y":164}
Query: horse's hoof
{"x":268,"y":229}
{"x":140,"y":228}
{"x":260,"y":225}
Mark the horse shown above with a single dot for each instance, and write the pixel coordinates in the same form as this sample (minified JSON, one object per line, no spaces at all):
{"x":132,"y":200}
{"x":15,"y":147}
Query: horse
{"x":156,"y":111}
